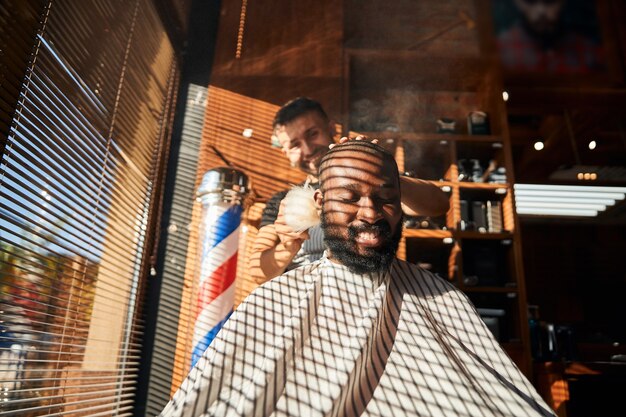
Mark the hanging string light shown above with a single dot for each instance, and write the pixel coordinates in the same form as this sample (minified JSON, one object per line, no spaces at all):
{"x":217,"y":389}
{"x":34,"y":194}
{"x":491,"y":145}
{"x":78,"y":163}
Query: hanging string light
{"x":242,"y":23}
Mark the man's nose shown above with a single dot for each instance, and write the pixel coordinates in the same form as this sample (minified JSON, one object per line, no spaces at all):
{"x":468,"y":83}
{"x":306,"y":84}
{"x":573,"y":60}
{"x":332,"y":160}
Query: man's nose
{"x":305,"y":150}
{"x":368,"y":211}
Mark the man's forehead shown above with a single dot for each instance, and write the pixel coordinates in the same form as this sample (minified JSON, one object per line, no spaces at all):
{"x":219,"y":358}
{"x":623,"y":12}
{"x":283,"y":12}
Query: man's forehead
{"x":339,"y":176}
{"x":305,"y":121}
{"x":358,"y":158}
{"x":360,"y":167}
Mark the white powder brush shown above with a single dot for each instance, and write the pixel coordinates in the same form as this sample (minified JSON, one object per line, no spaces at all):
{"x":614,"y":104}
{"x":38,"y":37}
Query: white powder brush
{"x":299,"y":208}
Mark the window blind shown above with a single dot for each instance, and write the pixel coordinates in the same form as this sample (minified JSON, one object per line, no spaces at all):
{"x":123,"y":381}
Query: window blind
{"x":85,"y":115}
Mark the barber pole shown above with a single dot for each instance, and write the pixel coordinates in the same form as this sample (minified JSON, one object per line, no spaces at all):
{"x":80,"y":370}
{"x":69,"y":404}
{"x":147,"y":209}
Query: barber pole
{"x":221,"y":193}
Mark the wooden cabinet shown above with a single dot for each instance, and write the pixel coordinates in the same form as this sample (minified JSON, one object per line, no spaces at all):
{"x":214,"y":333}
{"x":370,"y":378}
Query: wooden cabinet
{"x":407,"y":99}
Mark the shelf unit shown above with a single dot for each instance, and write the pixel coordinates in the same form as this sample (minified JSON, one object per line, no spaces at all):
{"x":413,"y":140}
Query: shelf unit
{"x":397,"y":97}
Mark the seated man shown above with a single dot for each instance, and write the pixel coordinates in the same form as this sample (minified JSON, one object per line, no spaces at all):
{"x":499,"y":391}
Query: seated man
{"x":304,"y":132}
{"x":358,"y":331}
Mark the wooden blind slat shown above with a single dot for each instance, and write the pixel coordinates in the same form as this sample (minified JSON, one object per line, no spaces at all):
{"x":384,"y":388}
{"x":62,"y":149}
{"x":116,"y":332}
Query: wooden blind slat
{"x":85,"y":95}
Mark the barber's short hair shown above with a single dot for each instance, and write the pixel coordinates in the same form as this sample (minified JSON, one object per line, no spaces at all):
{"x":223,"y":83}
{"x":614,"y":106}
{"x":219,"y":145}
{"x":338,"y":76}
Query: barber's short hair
{"x":296,"y":108}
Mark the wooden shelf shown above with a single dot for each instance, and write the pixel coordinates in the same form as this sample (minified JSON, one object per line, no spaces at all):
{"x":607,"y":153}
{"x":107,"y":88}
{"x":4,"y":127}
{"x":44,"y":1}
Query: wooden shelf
{"x":483,"y":186}
{"x":470,"y":234}
{"x":442,"y":184}
{"x":443,"y":234}
{"x":427,"y":234}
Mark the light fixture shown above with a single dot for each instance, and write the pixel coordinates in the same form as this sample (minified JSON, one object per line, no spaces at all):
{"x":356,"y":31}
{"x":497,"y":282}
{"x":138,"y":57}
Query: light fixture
{"x":559,"y":205}
{"x":565,"y":200}
{"x":538,"y":145}
{"x":505,"y":96}
{"x":557,"y":212}
{"x":592,"y":145}
{"x":570,"y":193}
{"x":247,"y":133}
{"x":557,"y":187}
{"x":607,"y":174}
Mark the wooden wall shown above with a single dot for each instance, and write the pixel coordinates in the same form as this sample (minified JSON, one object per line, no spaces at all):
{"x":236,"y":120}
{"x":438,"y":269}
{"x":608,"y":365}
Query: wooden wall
{"x":288,"y":49}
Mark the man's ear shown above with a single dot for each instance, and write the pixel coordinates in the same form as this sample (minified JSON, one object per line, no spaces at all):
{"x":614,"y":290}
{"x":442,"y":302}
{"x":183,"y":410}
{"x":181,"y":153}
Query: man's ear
{"x":318,"y":196}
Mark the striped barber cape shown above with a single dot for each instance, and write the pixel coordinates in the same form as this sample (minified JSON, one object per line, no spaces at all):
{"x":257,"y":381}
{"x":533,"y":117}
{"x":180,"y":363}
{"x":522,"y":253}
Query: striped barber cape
{"x":323,"y":341}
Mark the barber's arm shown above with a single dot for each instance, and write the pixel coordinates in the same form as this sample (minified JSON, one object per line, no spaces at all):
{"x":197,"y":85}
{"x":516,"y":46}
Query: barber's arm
{"x":274,"y":248}
{"x":422,"y":198}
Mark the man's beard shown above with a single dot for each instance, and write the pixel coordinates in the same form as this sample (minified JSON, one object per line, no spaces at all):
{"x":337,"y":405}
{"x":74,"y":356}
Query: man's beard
{"x":376,"y":259}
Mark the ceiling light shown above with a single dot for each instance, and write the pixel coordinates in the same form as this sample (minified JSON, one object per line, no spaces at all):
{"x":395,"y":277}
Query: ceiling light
{"x":538,"y":145}
{"x":560,"y":205}
{"x":581,"y":194}
{"x":587,"y":176}
{"x":558,"y":212}
{"x":592,"y":145}
{"x":558,"y":187}
{"x":608,"y":174}
{"x":505,"y":96}
{"x":565,"y":200}
{"x":247,"y":133}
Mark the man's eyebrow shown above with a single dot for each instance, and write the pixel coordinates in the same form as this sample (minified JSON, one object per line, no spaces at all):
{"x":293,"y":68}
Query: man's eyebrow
{"x":296,"y":141}
{"x":354,"y":186}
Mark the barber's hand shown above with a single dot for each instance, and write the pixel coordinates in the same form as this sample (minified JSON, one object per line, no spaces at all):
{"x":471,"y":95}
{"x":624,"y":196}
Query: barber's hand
{"x":292,"y":241}
{"x":346,"y":139}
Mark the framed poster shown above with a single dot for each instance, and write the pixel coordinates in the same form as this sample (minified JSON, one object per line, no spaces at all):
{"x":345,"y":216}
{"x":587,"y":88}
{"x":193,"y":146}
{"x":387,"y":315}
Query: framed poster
{"x":549,"y":36}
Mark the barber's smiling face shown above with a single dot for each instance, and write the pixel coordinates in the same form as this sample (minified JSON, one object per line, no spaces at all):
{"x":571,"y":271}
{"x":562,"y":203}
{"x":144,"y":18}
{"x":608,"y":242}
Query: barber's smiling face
{"x":361,"y":212}
{"x":305,"y":140}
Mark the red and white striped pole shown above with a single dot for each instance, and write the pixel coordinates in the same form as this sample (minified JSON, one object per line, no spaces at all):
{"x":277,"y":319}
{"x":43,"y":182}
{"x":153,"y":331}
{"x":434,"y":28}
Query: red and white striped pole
{"x":221,"y":193}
